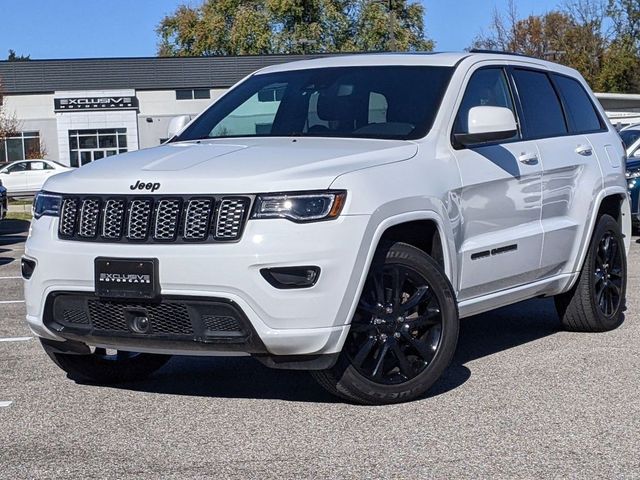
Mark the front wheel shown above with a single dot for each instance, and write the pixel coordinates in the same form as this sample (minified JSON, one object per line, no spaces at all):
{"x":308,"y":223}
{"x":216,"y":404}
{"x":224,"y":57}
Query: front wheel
{"x":107,"y":367}
{"x":404,"y":332}
{"x":596,"y":303}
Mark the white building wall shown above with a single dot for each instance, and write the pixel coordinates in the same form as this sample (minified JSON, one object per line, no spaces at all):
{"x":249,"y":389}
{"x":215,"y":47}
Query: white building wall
{"x":164,"y":103}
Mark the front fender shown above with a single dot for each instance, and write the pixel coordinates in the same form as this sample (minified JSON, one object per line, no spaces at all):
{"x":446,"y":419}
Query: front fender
{"x":389,"y":215}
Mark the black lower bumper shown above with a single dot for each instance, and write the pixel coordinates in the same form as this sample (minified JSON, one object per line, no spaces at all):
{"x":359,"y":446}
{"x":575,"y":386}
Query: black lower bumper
{"x":171,"y":323}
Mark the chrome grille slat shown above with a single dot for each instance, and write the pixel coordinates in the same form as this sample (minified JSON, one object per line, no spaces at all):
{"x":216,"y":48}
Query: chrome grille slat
{"x":153,"y":219}
{"x":197,"y":218}
{"x":89,"y":215}
{"x":230,"y":218}
{"x":138,"y":221}
{"x":113,"y":219}
{"x":167,"y":219}
{"x":68,"y":215}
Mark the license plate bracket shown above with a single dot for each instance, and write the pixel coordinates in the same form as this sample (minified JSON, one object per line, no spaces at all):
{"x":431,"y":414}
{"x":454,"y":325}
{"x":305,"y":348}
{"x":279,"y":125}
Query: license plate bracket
{"x":135,"y":278}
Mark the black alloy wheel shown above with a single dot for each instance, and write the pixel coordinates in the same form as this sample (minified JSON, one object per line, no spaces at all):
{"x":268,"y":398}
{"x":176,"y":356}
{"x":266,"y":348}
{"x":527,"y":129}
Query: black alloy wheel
{"x":608,"y":274}
{"x":397,"y":328}
{"x":403,"y":334}
{"x":596,"y":302}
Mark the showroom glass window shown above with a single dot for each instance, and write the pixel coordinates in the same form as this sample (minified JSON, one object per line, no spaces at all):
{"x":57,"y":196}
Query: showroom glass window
{"x":86,"y":146}
{"x":19,"y":147}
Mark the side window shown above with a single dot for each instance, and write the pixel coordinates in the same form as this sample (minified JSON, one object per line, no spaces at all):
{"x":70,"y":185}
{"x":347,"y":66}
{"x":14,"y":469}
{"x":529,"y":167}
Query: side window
{"x":541,"y":108}
{"x":487,"y":87}
{"x":18,"y":167}
{"x":581,"y":113}
{"x":38,"y":166}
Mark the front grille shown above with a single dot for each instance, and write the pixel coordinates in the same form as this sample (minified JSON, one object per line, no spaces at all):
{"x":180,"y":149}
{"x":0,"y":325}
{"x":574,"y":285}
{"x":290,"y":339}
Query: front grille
{"x":164,"y":318}
{"x":153,"y":219}
{"x":220,"y":323}
{"x":178,"y":318}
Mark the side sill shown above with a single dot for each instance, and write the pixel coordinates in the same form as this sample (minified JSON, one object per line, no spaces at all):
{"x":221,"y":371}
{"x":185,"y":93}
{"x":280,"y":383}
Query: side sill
{"x":547,"y":287}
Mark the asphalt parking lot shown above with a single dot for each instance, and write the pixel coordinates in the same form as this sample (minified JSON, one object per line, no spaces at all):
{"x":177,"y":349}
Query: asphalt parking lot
{"x":522,"y":399}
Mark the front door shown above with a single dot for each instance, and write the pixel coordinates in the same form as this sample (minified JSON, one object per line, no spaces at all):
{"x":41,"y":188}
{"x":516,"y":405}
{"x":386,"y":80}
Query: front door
{"x":500,"y":199}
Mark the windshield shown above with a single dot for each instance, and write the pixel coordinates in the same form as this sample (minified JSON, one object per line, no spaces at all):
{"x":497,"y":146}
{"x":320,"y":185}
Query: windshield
{"x":393,"y":102}
{"x":629,"y":137}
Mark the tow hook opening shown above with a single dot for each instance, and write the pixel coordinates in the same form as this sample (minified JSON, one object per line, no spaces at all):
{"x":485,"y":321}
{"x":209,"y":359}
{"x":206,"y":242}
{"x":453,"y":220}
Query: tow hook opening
{"x":138,"y":320}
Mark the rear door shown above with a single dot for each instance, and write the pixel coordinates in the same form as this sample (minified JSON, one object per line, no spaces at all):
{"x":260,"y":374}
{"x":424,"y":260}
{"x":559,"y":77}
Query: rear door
{"x":500,"y":198}
{"x":571,"y":173}
{"x":37,"y":173}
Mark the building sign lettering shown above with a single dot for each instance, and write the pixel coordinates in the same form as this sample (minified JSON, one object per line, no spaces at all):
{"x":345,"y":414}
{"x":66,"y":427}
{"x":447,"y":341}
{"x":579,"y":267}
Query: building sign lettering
{"x":95,"y":103}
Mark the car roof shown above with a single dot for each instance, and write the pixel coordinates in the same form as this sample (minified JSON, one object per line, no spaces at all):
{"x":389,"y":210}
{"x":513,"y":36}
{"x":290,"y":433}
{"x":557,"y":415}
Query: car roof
{"x":443,"y":59}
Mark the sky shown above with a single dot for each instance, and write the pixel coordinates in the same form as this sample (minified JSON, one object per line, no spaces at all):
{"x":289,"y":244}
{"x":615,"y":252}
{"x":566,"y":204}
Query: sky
{"x":126,"y":28}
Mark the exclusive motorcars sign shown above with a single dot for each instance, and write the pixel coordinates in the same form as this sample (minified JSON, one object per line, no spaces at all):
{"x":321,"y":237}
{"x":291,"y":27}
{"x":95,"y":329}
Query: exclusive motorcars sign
{"x":95,"y":103}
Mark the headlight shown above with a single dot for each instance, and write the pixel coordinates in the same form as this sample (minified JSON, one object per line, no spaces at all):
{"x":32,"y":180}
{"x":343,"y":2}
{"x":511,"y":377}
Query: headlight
{"x":46,"y":204}
{"x":300,"y":207}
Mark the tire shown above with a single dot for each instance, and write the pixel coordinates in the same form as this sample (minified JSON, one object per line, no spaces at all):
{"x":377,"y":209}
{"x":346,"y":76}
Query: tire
{"x":101,"y":368}
{"x":596,"y":303}
{"x":404,"y":332}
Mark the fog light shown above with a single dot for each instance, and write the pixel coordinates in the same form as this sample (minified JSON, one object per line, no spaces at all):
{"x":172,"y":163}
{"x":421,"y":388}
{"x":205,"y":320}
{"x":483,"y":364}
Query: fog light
{"x":27,"y":266}
{"x":291,"y":277}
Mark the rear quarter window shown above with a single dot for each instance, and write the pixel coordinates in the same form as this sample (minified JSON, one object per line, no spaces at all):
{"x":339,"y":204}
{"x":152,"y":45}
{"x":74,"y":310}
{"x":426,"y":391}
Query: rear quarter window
{"x":541,"y":107}
{"x":581,"y":113}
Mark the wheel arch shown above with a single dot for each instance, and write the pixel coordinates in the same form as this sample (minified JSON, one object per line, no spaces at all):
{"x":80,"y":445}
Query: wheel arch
{"x":612,"y":201}
{"x":429,"y":220}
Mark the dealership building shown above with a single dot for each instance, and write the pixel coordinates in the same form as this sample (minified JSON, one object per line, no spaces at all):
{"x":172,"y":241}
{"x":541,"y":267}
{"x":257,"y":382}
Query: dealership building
{"x":86,"y":109}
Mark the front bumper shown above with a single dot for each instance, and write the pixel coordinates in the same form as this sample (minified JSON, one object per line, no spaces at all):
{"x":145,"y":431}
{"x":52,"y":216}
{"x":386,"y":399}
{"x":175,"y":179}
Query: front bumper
{"x":286,"y":322}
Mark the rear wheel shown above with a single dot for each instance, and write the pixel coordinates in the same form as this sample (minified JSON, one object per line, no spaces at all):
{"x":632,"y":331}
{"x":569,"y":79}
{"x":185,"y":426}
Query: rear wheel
{"x":597,"y":302}
{"x":404,"y":332}
{"x":106,"y":366}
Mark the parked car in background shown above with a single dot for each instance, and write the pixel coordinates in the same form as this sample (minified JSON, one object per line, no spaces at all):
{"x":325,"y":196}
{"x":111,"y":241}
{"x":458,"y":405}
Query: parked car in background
{"x":26,"y":177}
{"x":3,"y":201}
{"x":630,"y":136}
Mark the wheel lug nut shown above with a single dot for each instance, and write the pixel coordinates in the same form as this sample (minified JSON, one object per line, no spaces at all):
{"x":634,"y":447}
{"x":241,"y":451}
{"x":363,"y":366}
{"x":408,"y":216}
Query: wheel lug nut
{"x":388,"y":310}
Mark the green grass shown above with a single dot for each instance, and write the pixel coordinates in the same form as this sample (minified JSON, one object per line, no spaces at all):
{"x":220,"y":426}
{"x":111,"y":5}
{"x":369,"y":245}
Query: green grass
{"x":19,"y":216}
{"x":23,"y":201}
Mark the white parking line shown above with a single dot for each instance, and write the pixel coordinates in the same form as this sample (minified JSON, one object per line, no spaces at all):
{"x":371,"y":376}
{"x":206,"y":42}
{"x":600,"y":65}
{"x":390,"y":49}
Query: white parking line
{"x":10,"y":278}
{"x":15,"y":339}
{"x":11,"y":301}
{"x":5,"y":403}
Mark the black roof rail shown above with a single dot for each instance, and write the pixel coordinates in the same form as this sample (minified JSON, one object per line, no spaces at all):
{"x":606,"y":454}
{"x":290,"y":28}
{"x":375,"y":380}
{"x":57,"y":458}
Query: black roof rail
{"x":499,"y":52}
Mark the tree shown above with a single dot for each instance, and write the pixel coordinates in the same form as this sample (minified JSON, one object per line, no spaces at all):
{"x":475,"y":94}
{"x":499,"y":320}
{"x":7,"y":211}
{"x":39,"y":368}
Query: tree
{"x":393,"y":25}
{"x":13,"y":57}
{"x":233,"y":27}
{"x":9,"y":124}
{"x":574,"y":36}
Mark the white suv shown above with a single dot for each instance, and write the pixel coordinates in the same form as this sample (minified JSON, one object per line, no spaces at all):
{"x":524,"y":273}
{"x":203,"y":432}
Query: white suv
{"x":338,"y":215}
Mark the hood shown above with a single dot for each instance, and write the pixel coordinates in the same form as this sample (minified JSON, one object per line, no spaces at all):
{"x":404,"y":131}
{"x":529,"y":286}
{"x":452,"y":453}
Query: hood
{"x":233,"y":166}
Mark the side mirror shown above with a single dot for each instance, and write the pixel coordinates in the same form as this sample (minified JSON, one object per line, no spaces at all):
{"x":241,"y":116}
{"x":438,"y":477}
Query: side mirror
{"x":177,"y":124}
{"x":488,"y":124}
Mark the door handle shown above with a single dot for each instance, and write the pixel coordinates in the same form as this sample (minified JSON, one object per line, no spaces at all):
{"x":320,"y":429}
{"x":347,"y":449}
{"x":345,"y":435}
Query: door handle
{"x":584,"y":150}
{"x":528,"y":158}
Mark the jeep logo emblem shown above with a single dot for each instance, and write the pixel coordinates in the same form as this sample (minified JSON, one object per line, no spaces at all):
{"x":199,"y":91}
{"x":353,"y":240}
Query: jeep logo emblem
{"x":139,"y":185}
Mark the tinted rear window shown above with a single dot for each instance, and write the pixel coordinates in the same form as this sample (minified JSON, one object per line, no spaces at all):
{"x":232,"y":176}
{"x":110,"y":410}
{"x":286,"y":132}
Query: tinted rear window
{"x":629,"y":137}
{"x":581,"y":113}
{"x":542,"y":110}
